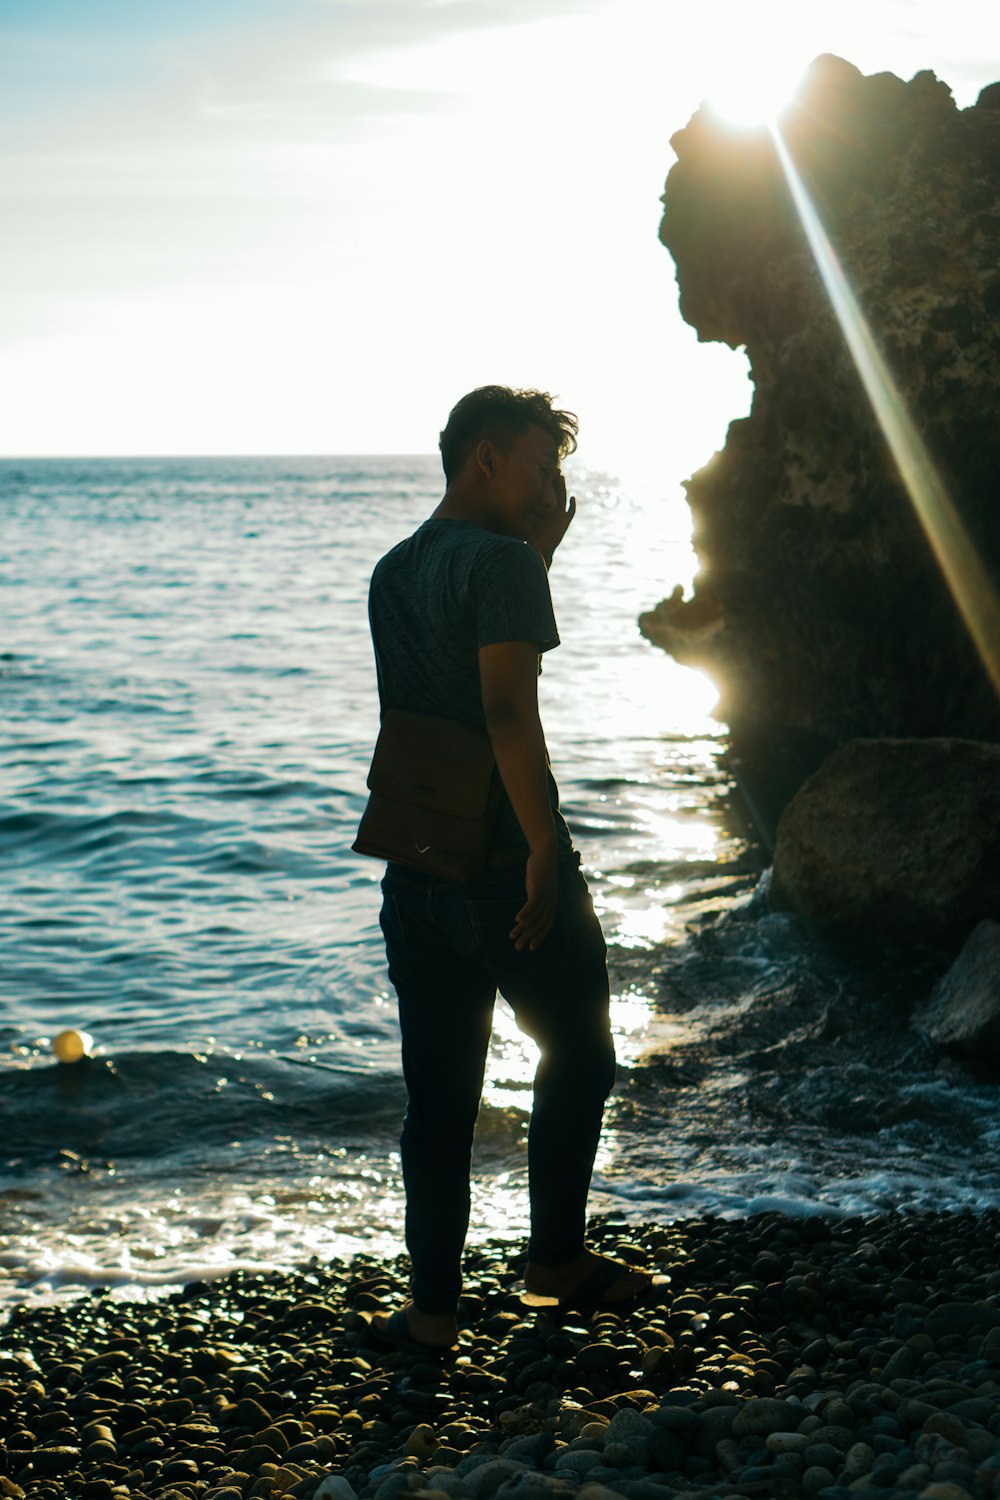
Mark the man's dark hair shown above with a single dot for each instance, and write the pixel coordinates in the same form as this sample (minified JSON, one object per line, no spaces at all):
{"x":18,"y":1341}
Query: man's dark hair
{"x":502,"y":414}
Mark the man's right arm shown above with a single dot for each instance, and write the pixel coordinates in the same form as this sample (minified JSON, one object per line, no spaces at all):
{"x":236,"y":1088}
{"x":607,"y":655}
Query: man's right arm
{"x":508,"y":674}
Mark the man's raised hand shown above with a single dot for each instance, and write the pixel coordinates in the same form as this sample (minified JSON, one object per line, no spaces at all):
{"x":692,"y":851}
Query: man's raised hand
{"x":555,"y":523}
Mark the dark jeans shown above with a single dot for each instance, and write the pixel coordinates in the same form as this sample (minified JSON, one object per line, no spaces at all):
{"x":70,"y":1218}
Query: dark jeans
{"x":449,"y":952}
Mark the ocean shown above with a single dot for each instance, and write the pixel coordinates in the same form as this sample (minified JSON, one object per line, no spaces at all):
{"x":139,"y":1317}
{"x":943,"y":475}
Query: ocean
{"x":189,"y":712}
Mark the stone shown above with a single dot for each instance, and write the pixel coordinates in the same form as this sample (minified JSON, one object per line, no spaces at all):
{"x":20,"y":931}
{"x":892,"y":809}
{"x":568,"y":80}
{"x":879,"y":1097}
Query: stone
{"x":484,"y":1481}
{"x":666,"y":1450}
{"x":896,"y":839}
{"x":980,"y":1444}
{"x":820,"y":609}
{"x":325,"y":1418}
{"x":945,"y":1425}
{"x":839,"y":1438}
{"x":316,"y":1451}
{"x":787,"y":1442}
{"x":391,"y":1466}
{"x":252,"y":1415}
{"x":97,"y":1432}
{"x":597,"y":1357}
{"x":55,"y":1460}
{"x":254,"y":1457}
{"x":717,"y":1424}
{"x":397,"y":1483}
{"x":421,"y":1442}
{"x":915,"y":1412}
{"x":679,"y":1420}
{"x":963,"y":1011}
{"x":179,"y":1469}
{"x":532,"y":1487}
{"x":578,"y":1460}
{"x":473,"y":1461}
{"x":963,"y":1318}
{"x":858,"y":1460}
{"x":534,"y":1446}
{"x":287,"y":1478}
{"x":100,"y":1451}
{"x":914,"y":1477}
{"x":837,"y":1413}
{"x":762,"y":1416}
{"x":626,"y":1424}
{"x":176,"y":1410}
{"x":527,"y":1487}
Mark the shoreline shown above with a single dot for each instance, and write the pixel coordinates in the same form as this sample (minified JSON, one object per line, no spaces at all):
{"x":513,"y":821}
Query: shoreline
{"x":788,"y":1357}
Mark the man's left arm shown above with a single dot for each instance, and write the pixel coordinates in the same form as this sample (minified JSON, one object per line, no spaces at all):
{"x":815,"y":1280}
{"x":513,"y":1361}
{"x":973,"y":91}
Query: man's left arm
{"x":508,"y":675}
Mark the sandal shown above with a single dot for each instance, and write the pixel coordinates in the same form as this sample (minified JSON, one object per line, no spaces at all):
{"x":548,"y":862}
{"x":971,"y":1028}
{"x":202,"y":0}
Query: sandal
{"x":395,"y":1333}
{"x":591,"y":1294}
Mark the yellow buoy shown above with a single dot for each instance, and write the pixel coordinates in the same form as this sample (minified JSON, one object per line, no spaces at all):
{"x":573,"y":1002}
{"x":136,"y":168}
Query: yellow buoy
{"x":69,"y":1046}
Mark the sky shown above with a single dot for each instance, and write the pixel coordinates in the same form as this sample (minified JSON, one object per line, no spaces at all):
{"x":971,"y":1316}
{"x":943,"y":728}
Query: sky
{"x":308,"y":226}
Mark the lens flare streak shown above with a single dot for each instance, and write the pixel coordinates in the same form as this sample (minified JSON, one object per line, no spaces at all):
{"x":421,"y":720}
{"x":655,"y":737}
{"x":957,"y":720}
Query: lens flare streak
{"x":965,"y":575}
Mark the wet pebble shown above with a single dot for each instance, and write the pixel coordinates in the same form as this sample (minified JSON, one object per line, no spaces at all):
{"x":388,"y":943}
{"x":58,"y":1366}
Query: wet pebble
{"x":841,"y":1360}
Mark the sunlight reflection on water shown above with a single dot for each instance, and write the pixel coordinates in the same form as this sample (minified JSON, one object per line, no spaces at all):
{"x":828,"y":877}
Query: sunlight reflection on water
{"x":185,"y":886}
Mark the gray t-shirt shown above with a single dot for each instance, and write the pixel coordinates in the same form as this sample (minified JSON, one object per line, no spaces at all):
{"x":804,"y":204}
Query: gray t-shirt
{"x":435,"y":599}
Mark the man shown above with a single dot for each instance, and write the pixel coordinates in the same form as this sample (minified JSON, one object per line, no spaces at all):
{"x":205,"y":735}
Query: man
{"x":460,"y":614}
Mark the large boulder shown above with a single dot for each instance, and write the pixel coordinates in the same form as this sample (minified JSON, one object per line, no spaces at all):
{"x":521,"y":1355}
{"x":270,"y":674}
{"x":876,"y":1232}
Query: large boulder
{"x":963,"y":1011}
{"x":820,"y":609}
{"x":897,"y":839}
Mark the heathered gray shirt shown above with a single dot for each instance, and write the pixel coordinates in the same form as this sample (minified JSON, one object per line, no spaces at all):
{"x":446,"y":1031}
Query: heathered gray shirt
{"x":435,"y":599}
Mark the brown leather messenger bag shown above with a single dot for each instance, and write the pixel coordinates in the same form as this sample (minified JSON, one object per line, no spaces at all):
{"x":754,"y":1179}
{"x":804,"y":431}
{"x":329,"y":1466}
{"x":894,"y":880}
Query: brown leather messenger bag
{"x":434,"y":793}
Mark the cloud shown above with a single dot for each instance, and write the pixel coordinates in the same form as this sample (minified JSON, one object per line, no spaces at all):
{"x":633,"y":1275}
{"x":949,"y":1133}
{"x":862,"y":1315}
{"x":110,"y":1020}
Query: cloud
{"x":63,"y":65}
{"x":187,"y":154}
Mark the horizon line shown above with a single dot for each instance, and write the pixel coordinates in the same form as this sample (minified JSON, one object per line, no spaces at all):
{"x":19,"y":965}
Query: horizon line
{"x":80,"y":457}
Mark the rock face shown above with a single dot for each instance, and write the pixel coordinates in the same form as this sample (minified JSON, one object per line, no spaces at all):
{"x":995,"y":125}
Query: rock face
{"x":963,"y":1012}
{"x":820,"y":610}
{"x":897,"y":839}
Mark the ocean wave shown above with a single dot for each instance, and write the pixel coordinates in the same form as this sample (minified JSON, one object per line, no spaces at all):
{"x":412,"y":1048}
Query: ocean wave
{"x":156,"y":1104}
{"x":253,"y":786}
{"x":190,"y":713}
{"x":51,"y":836}
{"x":165,"y":840}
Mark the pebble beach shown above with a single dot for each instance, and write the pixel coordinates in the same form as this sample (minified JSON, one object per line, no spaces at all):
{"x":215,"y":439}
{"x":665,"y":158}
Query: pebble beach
{"x":786,"y":1357}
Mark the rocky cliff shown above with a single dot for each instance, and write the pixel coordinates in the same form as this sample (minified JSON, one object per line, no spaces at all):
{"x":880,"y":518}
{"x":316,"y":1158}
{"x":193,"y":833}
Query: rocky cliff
{"x":820,"y":610}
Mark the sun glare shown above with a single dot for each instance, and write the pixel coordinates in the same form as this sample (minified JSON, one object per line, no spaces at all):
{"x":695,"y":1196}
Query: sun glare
{"x":970,"y":584}
{"x":752,"y":95}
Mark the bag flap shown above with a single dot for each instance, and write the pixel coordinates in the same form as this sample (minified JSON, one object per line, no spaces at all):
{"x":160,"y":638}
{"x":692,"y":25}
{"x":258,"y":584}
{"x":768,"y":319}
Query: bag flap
{"x":440,"y":764}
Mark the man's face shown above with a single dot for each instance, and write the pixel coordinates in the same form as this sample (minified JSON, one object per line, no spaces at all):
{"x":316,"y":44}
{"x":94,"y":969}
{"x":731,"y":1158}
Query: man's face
{"x":523,"y":484}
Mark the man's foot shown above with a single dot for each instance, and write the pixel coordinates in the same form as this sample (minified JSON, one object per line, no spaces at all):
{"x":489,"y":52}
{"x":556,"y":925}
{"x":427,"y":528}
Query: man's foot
{"x":589,"y":1280}
{"x":417,"y":1332}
